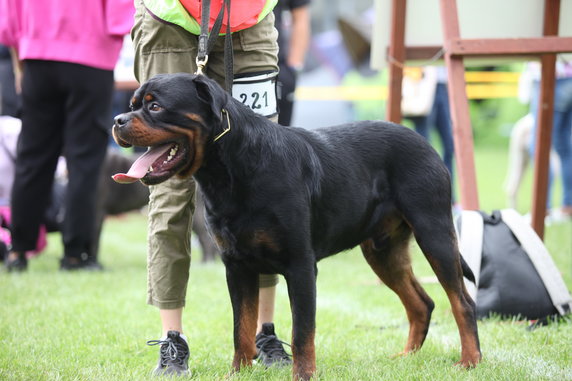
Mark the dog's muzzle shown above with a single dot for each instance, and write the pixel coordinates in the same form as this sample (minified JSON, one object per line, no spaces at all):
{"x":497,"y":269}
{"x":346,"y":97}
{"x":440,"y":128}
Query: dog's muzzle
{"x":121,"y":122}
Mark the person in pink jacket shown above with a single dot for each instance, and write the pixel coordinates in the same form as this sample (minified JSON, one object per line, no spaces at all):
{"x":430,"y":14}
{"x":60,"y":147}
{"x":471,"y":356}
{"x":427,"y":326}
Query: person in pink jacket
{"x":65,"y":53}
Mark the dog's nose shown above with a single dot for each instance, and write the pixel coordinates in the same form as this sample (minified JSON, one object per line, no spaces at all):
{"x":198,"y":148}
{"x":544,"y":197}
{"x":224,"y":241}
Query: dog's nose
{"x":121,"y":120}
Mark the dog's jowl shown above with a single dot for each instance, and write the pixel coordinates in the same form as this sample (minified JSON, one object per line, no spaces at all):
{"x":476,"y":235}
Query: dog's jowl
{"x":279,"y":199}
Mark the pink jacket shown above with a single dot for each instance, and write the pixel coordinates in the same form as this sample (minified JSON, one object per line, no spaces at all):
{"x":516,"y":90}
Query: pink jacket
{"x":87,"y":32}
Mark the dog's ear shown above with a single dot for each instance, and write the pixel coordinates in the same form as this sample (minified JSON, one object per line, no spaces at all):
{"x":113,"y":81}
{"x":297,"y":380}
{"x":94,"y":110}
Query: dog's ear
{"x":211,"y":94}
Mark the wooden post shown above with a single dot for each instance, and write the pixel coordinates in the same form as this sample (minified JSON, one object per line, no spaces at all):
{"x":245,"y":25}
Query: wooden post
{"x":459,"y":106}
{"x":396,"y":58}
{"x":544,"y":121}
{"x":456,"y":48}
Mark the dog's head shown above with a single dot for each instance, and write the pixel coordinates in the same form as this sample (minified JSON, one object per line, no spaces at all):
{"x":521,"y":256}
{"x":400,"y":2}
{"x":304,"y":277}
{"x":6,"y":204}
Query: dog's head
{"x":175,"y":115}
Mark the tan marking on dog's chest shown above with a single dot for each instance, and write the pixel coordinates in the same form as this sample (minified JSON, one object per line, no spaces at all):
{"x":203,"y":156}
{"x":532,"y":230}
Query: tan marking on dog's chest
{"x":264,"y":239}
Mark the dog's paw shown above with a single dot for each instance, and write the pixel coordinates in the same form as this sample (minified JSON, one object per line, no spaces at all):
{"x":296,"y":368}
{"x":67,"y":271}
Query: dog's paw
{"x":400,"y":354}
{"x":469,"y":362}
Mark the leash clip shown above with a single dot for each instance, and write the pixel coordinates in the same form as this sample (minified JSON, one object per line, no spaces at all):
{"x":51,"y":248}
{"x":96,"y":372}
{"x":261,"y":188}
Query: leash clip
{"x":201,"y":63}
{"x":227,"y":129}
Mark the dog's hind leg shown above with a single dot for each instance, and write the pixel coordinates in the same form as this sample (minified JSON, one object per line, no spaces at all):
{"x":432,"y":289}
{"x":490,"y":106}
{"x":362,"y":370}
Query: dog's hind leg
{"x":388,"y":255}
{"x":437,"y":239}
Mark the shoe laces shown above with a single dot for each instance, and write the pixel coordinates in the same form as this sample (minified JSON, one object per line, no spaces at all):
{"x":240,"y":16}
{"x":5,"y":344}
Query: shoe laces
{"x":171,"y":351}
{"x":272,"y":346}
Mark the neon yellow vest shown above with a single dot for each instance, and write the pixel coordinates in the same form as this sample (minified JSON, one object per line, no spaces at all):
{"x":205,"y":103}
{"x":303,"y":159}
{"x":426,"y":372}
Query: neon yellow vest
{"x":174,"y":12}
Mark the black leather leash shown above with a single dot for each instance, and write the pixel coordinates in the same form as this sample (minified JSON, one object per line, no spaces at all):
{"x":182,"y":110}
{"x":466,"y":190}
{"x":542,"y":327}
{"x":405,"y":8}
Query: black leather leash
{"x":207,"y":41}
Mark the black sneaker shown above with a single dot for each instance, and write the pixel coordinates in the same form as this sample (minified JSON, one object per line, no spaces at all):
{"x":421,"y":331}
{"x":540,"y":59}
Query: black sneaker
{"x":173,"y":356}
{"x":269,"y":349}
{"x":16,"y":262}
{"x":86,"y":264}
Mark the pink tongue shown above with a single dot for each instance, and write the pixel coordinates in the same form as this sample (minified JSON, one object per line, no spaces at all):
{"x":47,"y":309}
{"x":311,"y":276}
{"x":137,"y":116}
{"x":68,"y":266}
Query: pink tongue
{"x":141,"y":165}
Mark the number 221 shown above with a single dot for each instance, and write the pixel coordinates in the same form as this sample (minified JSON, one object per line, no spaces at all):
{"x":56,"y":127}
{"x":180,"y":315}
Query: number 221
{"x":257,"y":99}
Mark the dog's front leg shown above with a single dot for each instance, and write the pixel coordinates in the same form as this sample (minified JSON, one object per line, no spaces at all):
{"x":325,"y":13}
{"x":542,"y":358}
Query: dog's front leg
{"x":302,"y":293}
{"x":243,"y":289}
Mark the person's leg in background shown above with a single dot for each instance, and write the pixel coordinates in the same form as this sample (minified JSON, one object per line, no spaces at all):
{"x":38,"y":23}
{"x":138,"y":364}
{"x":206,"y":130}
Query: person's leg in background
{"x":39,"y":147}
{"x":421,"y":125}
{"x":442,"y":122}
{"x":88,"y":111}
{"x":562,"y":140}
{"x":439,"y":117}
{"x":269,"y":348}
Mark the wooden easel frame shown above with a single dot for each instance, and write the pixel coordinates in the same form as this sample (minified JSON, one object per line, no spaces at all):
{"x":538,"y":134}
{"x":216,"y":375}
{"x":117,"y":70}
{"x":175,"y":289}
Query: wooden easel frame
{"x":456,"y":49}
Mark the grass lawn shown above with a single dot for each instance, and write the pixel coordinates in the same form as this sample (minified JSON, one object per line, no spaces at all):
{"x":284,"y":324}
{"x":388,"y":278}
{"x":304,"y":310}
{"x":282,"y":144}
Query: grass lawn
{"x":93,"y":326}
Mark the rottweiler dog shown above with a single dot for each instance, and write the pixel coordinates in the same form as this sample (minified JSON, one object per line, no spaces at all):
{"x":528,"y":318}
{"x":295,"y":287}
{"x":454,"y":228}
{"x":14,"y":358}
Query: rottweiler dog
{"x":279,"y":199}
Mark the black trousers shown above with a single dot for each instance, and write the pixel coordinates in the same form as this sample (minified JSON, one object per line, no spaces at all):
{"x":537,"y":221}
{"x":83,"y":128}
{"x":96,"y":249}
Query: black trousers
{"x":66,"y":110}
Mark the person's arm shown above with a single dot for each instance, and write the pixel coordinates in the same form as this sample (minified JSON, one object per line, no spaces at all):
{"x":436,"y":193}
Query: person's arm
{"x":300,"y":37}
{"x":17,"y":68}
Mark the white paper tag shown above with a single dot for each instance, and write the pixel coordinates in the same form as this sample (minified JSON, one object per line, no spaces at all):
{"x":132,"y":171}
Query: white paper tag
{"x":257,"y":92}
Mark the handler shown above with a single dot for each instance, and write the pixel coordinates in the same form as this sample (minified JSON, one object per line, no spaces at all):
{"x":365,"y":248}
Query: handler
{"x":165,"y":37}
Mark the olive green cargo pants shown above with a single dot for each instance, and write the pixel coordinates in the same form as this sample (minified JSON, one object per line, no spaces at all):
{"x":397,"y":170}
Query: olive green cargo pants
{"x":167,"y":48}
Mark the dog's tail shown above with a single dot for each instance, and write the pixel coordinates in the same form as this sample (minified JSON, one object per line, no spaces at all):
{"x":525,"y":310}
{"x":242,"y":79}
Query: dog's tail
{"x":467,"y":272}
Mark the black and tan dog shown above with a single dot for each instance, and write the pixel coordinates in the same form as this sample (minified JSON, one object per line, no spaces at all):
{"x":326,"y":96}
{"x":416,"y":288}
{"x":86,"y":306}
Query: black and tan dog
{"x":279,"y":199}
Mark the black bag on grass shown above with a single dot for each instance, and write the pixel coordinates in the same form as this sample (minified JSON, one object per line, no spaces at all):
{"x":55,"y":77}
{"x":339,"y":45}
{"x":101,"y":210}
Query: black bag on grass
{"x":515,"y":275}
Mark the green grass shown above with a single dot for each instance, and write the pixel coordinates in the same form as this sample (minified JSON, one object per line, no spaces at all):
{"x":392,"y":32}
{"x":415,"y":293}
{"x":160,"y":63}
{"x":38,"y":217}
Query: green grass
{"x":93,"y":326}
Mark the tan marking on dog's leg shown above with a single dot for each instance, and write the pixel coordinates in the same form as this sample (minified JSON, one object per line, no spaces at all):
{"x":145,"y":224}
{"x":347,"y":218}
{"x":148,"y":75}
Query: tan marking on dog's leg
{"x":462,"y":306}
{"x":304,"y":359}
{"x":245,"y":349}
{"x":392,"y":264}
{"x":463,"y":311}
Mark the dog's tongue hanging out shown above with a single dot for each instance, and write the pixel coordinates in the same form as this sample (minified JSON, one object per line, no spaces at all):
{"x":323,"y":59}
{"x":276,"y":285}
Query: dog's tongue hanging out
{"x":140,"y":167}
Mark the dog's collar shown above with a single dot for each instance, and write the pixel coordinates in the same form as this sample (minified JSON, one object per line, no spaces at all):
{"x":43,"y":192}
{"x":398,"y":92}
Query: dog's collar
{"x":227,"y":129}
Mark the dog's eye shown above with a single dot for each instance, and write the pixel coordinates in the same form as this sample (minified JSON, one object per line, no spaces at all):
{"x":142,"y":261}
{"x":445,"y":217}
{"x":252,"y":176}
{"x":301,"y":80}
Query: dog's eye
{"x":155,"y":107}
